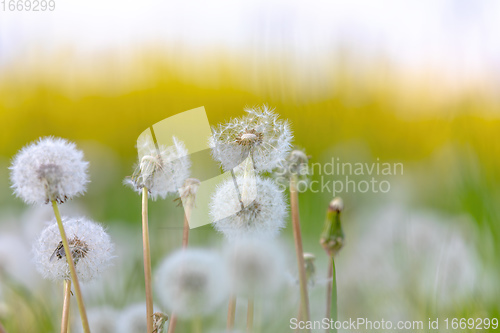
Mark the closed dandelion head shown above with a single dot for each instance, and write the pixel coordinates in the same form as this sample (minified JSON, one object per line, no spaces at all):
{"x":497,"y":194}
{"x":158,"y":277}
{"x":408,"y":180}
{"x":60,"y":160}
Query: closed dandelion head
{"x":295,"y":164}
{"x":263,"y":217}
{"x":50,"y":169}
{"x":260,"y":135}
{"x":255,"y":267}
{"x":89,"y":244}
{"x":162,"y":170}
{"x":192,"y":282}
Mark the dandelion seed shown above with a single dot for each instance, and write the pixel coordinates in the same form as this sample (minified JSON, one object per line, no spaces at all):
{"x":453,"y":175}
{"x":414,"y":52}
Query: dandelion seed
{"x":192,"y":282}
{"x":162,"y":170}
{"x":50,"y":169}
{"x":264,"y":217}
{"x":255,"y":267}
{"x":260,"y":135}
{"x":90,"y":246}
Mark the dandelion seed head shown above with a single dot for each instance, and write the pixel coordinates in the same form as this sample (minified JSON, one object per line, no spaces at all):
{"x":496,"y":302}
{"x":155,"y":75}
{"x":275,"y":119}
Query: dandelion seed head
{"x":101,"y":320}
{"x":255,"y":267}
{"x":192,"y":282}
{"x":49,"y":169}
{"x":132,"y":319}
{"x":162,"y":170}
{"x":264,"y":217}
{"x":90,"y":247}
{"x":259,"y":134}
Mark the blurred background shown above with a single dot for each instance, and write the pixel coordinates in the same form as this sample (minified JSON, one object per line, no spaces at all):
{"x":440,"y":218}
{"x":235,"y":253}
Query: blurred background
{"x":411,"y":82}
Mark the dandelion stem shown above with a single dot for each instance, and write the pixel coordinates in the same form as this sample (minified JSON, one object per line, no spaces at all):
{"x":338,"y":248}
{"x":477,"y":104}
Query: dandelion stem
{"x":2,"y":329}
{"x":172,"y":323}
{"x":250,"y":312}
{"x":74,"y":277}
{"x":294,"y":203}
{"x":185,"y":240}
{"x":185,"y":231}
{"x":147,"y":260}
{"x":331,"y":305}
{"x":65,"y":313}
{"x":231,"y":312}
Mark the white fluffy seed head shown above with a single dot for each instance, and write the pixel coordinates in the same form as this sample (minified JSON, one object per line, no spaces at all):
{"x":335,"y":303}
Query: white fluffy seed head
{"x":101,"y":320}
{"x":255,"y":267}
{"x":263,"y":217}
{"x":133,"y":320}
{"x":90,"y":246}
{"x":259,"y":134}
{"x":192,"y":282}
{"x":162,"y":170}
{"x":49,"y":169}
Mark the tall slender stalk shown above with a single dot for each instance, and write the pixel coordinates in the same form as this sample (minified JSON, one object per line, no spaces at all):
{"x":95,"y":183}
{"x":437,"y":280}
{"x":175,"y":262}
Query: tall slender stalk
{"x":71,"y":264}
{"x":231,"y":312}
{"x":250,"y":313}
{"x":147,"y":261}
{"x":185,"y":232}
{"x":2,"y":329}
{"x":331,"y":302}
{"x":185,"y":239}
{"x":65,"y":313}
{"x":294,"y":203}
{"x":332,"y":240}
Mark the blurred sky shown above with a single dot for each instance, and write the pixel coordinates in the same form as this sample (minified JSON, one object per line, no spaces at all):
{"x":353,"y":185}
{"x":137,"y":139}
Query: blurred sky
{"x":458,"y":37}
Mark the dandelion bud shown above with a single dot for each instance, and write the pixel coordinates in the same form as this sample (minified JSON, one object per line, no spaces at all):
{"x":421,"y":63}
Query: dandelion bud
{"x":259,"y":135}
{"x":192,"y":282}
{"x":296,"y":164}
{"x":332,"y":237}
{"x":90,"y":246}
{"x":255,"y":267}
{"x":162,"y":170}
{"x":337,"y":204}
{"x":49,"y":170}
{"x":263,"y":217}
{"x":188,"y":191}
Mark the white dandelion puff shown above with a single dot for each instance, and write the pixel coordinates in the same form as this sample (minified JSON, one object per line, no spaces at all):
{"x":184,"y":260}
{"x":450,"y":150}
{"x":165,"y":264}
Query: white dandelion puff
{"x":264,"y":217}
{"x":101,"y":319}
{"x":133,"y":320}
{"x":162,"y":170}
{"x":192,"y":282}
{"x":255,"y":267}
{"x":49,"y":169}
{"x":90,"y":246}
{"x":260,"y":135}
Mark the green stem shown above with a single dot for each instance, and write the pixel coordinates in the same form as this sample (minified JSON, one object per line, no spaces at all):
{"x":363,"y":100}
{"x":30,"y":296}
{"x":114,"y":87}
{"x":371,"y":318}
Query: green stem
{"x":294,"y":203}
{"x":71,"y":264}
{"x":147,"y":261}
{"x":333,"y":307}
